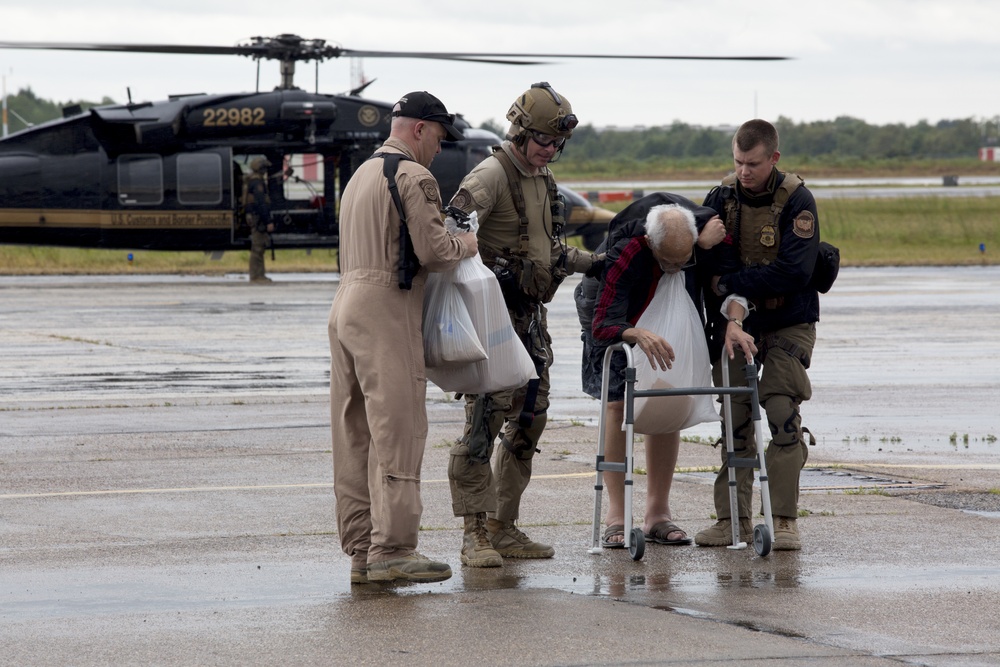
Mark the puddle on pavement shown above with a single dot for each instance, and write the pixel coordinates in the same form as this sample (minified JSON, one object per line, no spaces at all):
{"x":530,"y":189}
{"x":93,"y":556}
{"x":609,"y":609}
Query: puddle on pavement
{"x":832,"y":479}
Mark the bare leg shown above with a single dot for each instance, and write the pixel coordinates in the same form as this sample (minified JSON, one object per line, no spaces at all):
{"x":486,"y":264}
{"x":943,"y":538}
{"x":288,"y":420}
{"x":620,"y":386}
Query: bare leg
{"x":614,"y":450}
{"x":661,"y":460}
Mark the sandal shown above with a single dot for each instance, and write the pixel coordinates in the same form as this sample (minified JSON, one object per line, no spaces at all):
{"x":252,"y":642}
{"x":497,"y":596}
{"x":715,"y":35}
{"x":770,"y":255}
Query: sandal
{"x":616,"y":530}
{"x":660,"y":534}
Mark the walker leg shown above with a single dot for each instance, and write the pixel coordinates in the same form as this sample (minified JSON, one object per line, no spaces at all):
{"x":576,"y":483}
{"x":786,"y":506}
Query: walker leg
{"x":727,"y":412}
{"x":763,"y":535}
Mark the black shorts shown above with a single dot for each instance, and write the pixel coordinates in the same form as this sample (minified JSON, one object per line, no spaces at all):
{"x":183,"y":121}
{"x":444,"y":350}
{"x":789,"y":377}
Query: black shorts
{"x":593,"y":368}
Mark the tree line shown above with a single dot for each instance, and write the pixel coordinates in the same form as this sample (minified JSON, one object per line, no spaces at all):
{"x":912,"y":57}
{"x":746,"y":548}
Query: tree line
{"x":843,"y":137}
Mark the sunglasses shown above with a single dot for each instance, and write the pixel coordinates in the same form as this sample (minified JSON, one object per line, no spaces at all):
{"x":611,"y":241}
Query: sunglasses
{"x":546,"y":140}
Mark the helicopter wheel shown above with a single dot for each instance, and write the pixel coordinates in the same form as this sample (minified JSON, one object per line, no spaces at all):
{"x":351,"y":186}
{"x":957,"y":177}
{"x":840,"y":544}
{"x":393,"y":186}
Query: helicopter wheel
{"x":761,"y":540}
{"x":638,"y":546}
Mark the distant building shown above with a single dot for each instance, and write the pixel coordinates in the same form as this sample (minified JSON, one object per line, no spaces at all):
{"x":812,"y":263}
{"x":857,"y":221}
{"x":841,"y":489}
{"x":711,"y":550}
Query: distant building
{"x":989,"y":153}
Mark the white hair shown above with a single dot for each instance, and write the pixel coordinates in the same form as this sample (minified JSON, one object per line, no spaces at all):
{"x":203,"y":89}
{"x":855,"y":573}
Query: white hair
{"x":659,"y":216}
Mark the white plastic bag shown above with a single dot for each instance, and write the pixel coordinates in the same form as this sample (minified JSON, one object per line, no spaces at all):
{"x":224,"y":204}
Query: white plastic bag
{"x":449,"y":335}
{"x":507,"y":364}
{"x":672,"y":315}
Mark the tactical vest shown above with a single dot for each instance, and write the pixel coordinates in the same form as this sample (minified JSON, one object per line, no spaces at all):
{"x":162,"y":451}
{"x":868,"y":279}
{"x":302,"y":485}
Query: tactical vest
{"x":757,"y":227}
{"x":535,"y":282}
{"x":256,"y":201}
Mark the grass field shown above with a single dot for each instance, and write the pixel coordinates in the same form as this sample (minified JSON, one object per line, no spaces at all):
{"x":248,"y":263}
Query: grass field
{"x":869,"y":232}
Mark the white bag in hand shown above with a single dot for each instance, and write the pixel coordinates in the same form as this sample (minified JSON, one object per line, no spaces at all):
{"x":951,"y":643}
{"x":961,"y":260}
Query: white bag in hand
{"x":672,"y":315}
{"x":449,"y":335}
{"x":508,"y":364}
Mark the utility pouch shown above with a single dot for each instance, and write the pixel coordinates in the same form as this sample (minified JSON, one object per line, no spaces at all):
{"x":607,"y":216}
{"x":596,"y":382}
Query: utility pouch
{"x":827,"y":267}
{"x":480,"y":440}
{"x":557,"y":275}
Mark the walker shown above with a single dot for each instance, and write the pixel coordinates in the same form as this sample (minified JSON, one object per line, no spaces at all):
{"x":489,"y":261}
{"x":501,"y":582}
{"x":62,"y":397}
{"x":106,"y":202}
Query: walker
{"x":635,"y":540}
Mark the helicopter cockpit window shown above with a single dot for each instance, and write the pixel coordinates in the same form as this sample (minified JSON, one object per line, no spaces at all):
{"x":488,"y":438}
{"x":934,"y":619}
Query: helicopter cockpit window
{"x":140,"y":179}
{"x":199,"y":179}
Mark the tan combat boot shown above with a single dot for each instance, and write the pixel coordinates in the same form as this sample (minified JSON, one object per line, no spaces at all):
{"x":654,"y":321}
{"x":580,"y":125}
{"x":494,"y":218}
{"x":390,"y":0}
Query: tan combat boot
{"x":415,"y":567}
{"x":476,"y":548}
{"x":510,"y":542}
{"x":721,"y":534}
{"x":786,"y":534}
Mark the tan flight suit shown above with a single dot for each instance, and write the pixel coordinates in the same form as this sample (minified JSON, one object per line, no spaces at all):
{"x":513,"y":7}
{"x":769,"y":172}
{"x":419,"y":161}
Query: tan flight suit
{"x":474,"y":487}
{"x":377,"y":380}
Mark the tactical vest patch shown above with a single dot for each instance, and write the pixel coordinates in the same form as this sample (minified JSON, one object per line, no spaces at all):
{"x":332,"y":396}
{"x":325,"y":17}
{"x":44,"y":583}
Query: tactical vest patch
{"x":804,"y":225}
{"x":462,"y":200}
{"x":430,"y":188}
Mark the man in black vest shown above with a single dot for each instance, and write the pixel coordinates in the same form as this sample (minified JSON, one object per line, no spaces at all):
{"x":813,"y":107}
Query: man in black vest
{"x":768,"y":256}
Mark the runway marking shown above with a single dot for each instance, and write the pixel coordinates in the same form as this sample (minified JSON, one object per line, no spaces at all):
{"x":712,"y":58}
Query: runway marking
{"x":203,"y":489}
{"x":570,"y":475}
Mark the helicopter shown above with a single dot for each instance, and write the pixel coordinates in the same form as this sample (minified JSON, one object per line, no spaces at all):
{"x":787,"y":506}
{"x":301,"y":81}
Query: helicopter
{"x":169,"y":175}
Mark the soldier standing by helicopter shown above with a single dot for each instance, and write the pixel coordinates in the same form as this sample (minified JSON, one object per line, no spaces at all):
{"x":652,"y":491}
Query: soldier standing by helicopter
{"x":521,"y":215}
{"x":257,"y":208}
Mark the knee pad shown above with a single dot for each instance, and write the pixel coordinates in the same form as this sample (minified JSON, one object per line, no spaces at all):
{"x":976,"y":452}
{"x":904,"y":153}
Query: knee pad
{"x":784,"y":420}
{"x":742,"y":426}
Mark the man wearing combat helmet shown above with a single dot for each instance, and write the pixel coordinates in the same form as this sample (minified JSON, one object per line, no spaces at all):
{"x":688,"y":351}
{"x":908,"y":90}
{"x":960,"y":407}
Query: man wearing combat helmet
{"x":257,"y":205}
{"x":521,"y":218}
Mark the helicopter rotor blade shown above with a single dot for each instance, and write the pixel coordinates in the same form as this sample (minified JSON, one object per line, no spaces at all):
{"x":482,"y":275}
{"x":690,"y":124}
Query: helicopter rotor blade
{"x":130,"y":48}
{"x":482,"y":57}
{"x":293,"y":47}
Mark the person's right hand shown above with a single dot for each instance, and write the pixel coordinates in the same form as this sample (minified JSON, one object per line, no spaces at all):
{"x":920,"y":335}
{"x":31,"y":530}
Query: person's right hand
{"x":471,"y":242}
{"x":657,"y":349}
{"x":737,"y":337}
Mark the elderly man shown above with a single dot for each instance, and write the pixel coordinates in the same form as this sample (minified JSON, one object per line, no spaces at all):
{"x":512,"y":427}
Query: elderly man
{"x":648,"y":240}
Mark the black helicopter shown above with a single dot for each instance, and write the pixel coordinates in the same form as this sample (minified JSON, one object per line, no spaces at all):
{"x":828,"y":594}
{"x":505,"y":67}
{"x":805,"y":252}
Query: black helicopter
{"x":169,"y":175}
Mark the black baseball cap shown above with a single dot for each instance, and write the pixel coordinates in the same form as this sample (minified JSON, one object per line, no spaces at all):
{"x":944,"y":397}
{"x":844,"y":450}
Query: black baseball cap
{"x":424,"y":106}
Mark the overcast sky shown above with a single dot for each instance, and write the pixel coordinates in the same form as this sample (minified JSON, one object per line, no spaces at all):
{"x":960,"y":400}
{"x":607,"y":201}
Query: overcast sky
{"x":884,"y":61}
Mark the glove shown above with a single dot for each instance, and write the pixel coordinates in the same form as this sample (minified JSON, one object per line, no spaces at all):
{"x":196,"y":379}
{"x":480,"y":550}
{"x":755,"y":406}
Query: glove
{"x":597,"y":268}
{"x":458,"y":221}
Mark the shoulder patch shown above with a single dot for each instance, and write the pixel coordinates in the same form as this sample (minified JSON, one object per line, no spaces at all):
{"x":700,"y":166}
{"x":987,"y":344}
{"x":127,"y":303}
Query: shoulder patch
{"x":463,"y":200}
{"x":804,"y":225}
{"x":430,"y":188}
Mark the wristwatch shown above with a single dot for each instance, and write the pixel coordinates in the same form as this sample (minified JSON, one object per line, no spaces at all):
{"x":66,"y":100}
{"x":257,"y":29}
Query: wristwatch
{"x":722,"y":288}
{"x":738,"y":322}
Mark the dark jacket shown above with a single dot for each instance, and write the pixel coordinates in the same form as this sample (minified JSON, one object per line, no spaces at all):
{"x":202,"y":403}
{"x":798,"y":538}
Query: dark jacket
{"x":780,"y":291}
{"x":614,"y":303}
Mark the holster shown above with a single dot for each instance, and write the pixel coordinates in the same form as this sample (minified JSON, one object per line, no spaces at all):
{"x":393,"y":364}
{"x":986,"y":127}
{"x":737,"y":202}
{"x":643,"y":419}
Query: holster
{"x":480,"y":438}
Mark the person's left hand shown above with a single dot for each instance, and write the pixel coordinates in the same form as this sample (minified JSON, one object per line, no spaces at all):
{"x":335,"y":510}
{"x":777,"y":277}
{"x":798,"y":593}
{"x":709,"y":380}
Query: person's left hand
{"x":713,"y":232}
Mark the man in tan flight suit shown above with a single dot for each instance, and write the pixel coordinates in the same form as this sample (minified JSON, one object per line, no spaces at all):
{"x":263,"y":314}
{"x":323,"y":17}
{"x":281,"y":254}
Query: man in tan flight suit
{"x":377,"y":380}
{"x":520,"y":220}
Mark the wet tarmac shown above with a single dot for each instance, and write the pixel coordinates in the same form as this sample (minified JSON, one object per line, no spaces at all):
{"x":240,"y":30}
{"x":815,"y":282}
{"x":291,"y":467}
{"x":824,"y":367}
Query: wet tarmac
{"x":166,"y":496}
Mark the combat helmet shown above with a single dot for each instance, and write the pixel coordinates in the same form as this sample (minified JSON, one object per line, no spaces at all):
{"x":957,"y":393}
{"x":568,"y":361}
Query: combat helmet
{"x":259,"y":164}
{"x":540,"y":109}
